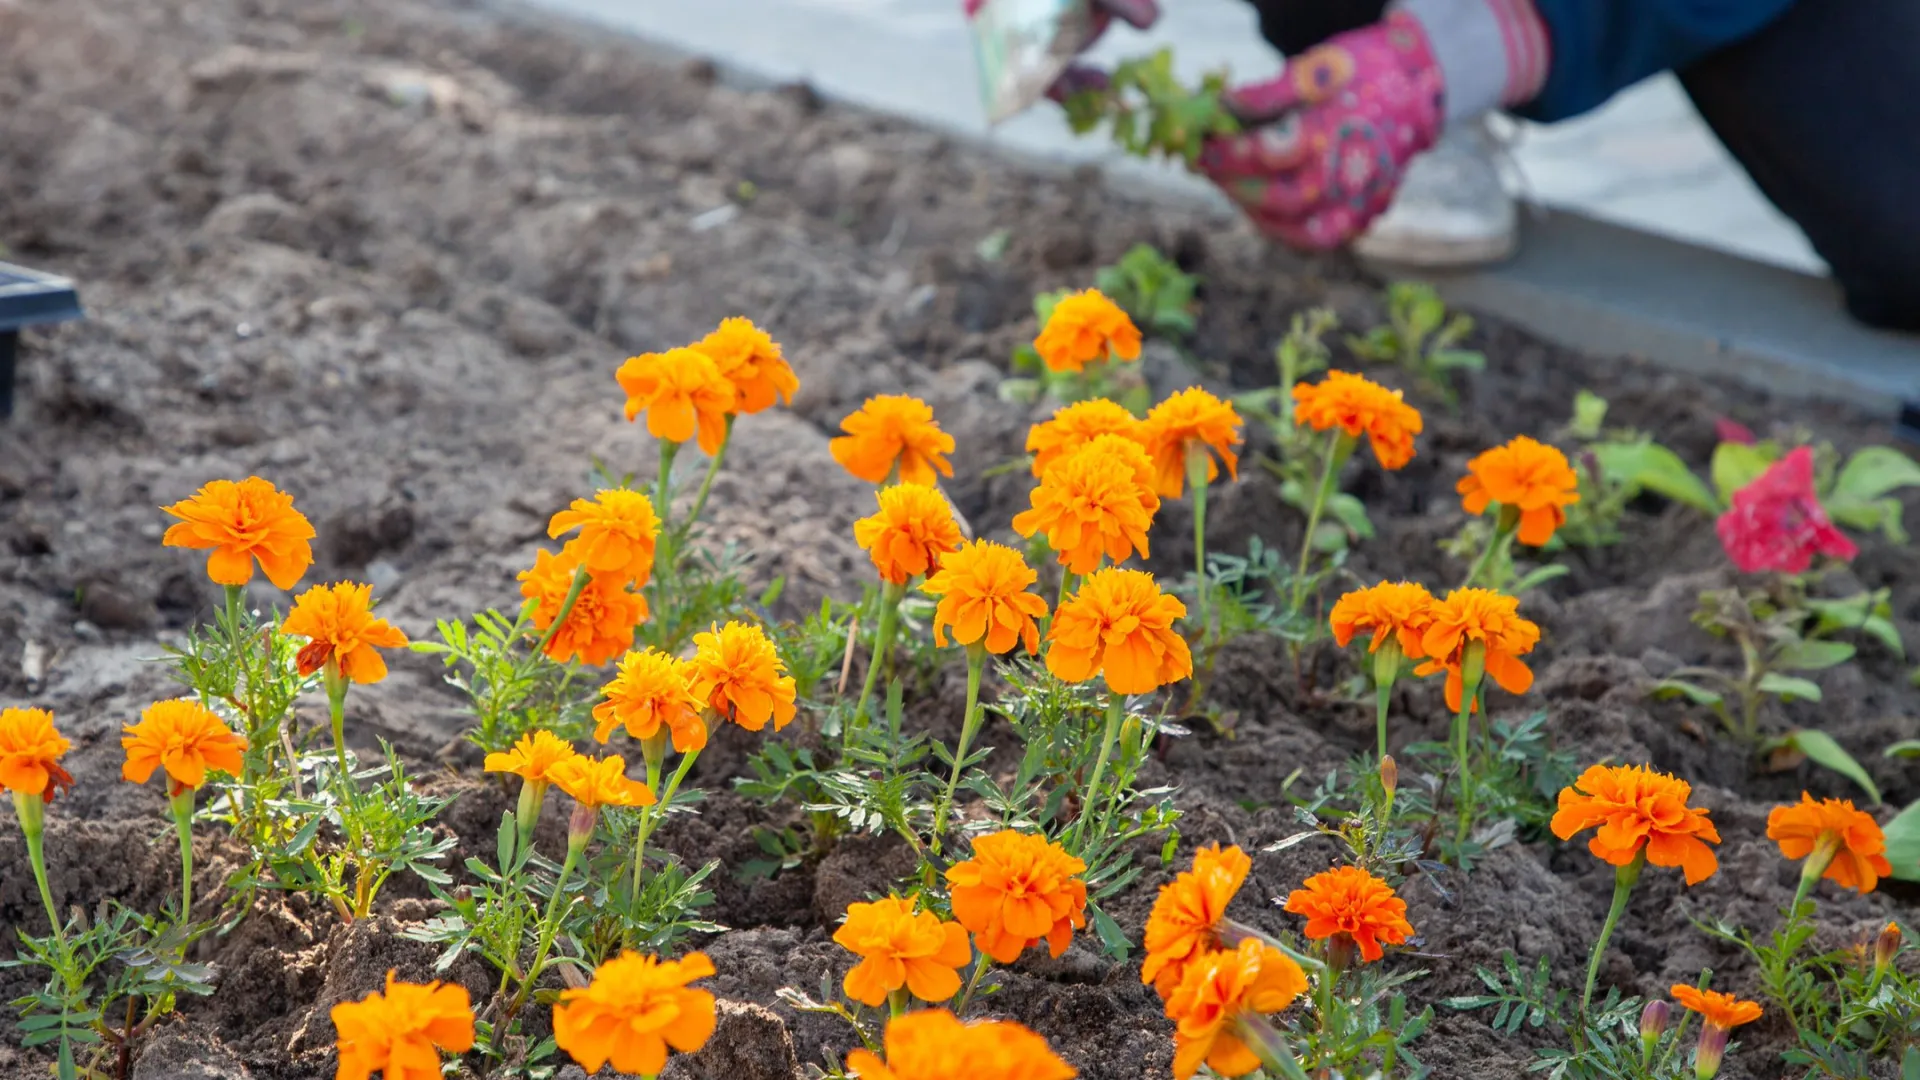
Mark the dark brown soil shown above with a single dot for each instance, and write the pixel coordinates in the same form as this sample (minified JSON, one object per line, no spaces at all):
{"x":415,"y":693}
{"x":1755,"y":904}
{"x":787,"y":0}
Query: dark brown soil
{"x":388,"y":255}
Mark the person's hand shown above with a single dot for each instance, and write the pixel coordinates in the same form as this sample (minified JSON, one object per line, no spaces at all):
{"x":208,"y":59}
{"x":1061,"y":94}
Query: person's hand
{"x":1326,"y":143}
{"x":1139,"y":14}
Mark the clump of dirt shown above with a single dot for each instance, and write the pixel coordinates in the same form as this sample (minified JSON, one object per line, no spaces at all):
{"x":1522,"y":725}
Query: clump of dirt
{"x":389,"y":257}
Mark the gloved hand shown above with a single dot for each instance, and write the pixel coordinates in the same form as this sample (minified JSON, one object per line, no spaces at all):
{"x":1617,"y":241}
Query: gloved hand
{"x":1139,"y":14}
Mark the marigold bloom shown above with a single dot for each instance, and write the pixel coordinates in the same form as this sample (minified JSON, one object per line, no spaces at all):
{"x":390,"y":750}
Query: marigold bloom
{"x":1015,"y":891}
{"x":1186,"y":916}
{"x":244,"y":522}
{"x":900,"y":948}
{"x":1858,"y":847}
{"x":1776,"y":522}
{"x":683,"y":394}
{"x":889,"y":431}
{"x":1348,"y":900}
{"x":534,"y":757}
{"x":983,"y":596}
{"x":1217,"y":991}
{"x":1074,"y":426}
{"x":633,"y":1010}
{"x":597,"y":782}
{"x":1633,"y":808}
{"x":1096,"y":502}
{"x":913,"y":529}
{"x":751,"y":361}
{"x":1398,"y":611}
{"x":402,"y":1032}
{"x":1529,"y":476}
{"x":1716,"y":1009}
{"x":652,"y":690}
{"x":617,"y":532}
{"x":1189,"y":420}
{"x":1119,"y":624}
{"x":1086,"y":327}
{"x":30,"y":753}
{"x":600,"y":626}
{"x":739,"y":675}
{"x":185,"y":738}
{"x":934,"y":1045}
{"x":1359,"y":406}
{"x":1493,"y":620}
{"x":337,"y":621}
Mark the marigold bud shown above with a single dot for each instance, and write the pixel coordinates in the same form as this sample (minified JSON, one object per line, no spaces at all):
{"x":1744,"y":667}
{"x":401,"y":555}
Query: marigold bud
{"x":1389,"y":775}
{"x":1653,"y":1024}
{"x":1709,"y":1052}
{"x":580,"y":825}
{"x":1885,"y":948}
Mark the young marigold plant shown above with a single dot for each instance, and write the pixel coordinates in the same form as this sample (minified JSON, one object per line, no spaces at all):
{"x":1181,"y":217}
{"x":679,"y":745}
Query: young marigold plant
{"x":1190,"y":435}
{"x":1399,"y":614}
{"x":1532,"y":484}
{"x":241,"y":524}
{"x":189,"y":742}
{"x":1347,"y":407}
{"x":1093,"y":505}
{"x":906,"y":539}
{"x":893,"y":438}
{"x":1086,"y":328}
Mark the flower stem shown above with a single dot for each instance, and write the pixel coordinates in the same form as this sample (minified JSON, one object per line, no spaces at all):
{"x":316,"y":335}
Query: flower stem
{"x":336,"y":683}
{"x":1501,"y":540}
{"x":969,"y":726}
{"x":182,"y":806}
{"x":1197,"y":462}
{"x":1623,"y":881}
{"x":548,"y":927}
{"x":1384,"y":693}
{"x":1473,"y":673}
{"x":1320,"y":495}
{"x":32,"y":811}
{"x":652,"y":816}
{"x":890,"y":598}
{"x":580,"y":578}
{"x":1116,"y":706}
{"x":979,"y":969}
{"x":713,"y":470}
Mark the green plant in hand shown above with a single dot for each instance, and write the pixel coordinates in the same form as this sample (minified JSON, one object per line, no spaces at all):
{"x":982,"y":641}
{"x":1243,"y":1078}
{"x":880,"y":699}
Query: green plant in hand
{"x":1152,"y":289}
{"x":1150,"y":112}
{"x":1422,"y":337}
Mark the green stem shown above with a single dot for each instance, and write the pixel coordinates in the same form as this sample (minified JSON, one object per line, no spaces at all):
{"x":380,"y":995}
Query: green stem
{"x":182,"y":806}
{"x":979,"y":969}
{"x":580,"y":579}
{"x":1462,"y":723}
{"x":1116,"y":706}
{"x":1197,"y":462}
{"x":890,"y":598}
{"x":1320,"y":495}
{"x":32,"y":811}
{"x":548,"y":927}
{"x":336,"y":683}
{"x":663,"y":484}
{"x":1384,"y":693}
{"x":969,"y":726}
{"x":1623,"y":882}
{"x":1501,"y":540}
{"x":652,"y":816}
{"x":654,"y":762}
{"x":713,"y":470}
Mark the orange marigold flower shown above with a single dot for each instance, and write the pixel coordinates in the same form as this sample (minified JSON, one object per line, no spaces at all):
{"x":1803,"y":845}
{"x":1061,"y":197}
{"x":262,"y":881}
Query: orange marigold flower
{"x":934,"y":1045}
{"x":1191,"y":421}
{"x":683,"y":394}
{"x":1834,"y":830}
{"x":893,"y":432}
{"x":633,"y":1010}
{"x":1529,"y":476}
{"x":652,"y":690}
{"x":337,"y":621}
{"x":1119,"y":624}
{"x":617,"y":532}
{"x":900,"y":948}
{"x":913,"y":529}
{"x":533,"y":758}
{"x":1634,"y":808}
{"x":185,"y":738}
{"x":983,"y":595}
{"x":402,"y":1032}
{"x":1186,"y":916}
{"x":1489,"y":618}
{"x":30,"y":753}
{"x":243,"y":522}
{"x":597,"y":782}
{"x":751,"y":361}
{"x":1083,"y":328}
{"x":739,"y":675}
{"x":600,"y":626}
{"x":1093,"y":503}
{"x":1016,"y":890}
{"x":1218,"y":991}
{"x":1394,"y":610}
{"x":1074,"y":426}
{"x":1359,"y":406}
{"x":1716,"y":1009}
{"x":1351,"y":902}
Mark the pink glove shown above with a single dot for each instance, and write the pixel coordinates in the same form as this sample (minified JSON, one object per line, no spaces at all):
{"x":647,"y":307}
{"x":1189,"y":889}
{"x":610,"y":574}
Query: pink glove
{"x":1139,"y":14}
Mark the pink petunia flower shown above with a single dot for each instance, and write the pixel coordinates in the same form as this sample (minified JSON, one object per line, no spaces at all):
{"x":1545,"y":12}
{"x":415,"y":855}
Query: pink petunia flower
{"x":1777,"y":523}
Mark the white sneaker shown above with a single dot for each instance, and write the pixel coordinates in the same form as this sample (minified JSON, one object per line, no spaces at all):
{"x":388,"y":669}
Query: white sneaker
{"x":1452,"y":210}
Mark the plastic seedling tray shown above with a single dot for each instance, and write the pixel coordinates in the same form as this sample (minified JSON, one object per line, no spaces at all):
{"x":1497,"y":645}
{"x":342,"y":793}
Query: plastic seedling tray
{"x":28,"y":298}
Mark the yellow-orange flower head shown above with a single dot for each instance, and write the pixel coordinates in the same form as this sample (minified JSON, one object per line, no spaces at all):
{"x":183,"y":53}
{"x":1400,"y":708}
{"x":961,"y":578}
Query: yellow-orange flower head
{"x":1016,"y":891}
{"x":534,"y":757}
{"x":683,"y":394}
{"x":597,"y":782}
{"x":1397,"y":611}
{"x":1120,"y":625}
{"x":618,"y":529}
{"x":934,"y":1045}
{"x":30,"y":753}
{"x":751,"y":361}
{"x":633,"y":1010}
{"x":1086,"y":327}
{"x":1633,"y":808}
{"x":1191,"y":421}
{"x":1095,"y":503}
{"x":1858,"y":846}
{"x":1529,"y":476}
{"x":185,"y":738}
{"x":1351,"y":902}
{"x":337,"y":621}
{"x":983,"y":591}
{"x":1359,"y":406}
{"x":913,"y":529}
{"x":400,"y":1033}
{"x":1186,"y":916}
{"x":1217,"y":991}
{"x":1074,"y":426}
{"x":1717,"y":1010}
{"x":243,"y":523}
{"x":898,"y":948}
{"x":739,"y":675}
{"x":893,"y":431}
{"x":600,"y":626}
{"x":652,"y":690}
{"x":1486,"y":617}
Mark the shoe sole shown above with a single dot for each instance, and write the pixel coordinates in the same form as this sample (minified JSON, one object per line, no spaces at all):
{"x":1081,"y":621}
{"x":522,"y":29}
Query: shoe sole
{"x":1437,"y":252}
